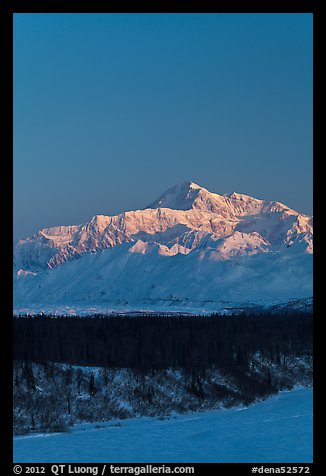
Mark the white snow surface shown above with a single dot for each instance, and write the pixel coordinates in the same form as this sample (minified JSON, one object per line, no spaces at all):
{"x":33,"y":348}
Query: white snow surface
{"x":190,"y":250}
{"x":277,"y":430}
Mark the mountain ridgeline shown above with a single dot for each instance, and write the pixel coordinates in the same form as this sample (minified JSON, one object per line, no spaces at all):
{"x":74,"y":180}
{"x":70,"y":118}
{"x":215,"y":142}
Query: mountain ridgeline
{"x":190,"y":250}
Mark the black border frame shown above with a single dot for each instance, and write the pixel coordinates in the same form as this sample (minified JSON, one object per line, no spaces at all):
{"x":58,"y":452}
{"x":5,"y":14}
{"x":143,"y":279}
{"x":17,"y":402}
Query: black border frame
{"x":8,"y":8}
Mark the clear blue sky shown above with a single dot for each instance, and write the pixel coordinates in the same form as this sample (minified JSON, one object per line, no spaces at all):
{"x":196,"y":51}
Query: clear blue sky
{"x":110,"y":110}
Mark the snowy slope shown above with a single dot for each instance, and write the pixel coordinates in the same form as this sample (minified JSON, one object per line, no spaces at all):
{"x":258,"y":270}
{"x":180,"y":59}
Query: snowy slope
{"x":190,"y":249}
{"x":276,"y":430}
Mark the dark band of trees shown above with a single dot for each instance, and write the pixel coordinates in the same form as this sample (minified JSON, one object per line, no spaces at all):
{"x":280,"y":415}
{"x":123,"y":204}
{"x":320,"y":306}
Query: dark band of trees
{"x":156,"y":342}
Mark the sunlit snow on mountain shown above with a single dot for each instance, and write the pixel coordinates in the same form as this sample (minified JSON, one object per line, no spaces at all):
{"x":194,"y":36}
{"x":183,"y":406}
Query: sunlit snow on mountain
{"x":189,"y":250}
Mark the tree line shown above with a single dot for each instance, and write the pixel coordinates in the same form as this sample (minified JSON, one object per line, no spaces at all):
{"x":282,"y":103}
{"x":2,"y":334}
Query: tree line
{"x":158,"y":342}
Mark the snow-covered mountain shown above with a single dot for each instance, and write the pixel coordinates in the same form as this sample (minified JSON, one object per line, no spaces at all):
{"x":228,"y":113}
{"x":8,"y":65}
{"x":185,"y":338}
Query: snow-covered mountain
{"x":190,"y":249}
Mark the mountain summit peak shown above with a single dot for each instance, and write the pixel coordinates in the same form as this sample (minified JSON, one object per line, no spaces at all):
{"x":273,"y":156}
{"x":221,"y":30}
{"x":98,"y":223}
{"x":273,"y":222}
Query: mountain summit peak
{"x":179,"y":197}
{"x":191,"y":184}
{"x":190,"y":248}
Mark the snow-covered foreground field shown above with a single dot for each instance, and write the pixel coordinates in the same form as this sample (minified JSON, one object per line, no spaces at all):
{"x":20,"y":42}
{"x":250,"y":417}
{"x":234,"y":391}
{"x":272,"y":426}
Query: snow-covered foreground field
{"x":276,"y":430}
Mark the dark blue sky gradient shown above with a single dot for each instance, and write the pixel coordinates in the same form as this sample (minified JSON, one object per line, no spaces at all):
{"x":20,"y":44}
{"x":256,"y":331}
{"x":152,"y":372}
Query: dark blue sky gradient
{"x":112,"y":109}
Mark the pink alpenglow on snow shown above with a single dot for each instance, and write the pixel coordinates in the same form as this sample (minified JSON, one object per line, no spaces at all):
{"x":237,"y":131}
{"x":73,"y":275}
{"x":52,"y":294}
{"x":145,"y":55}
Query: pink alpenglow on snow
{"x":190,"y":250}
